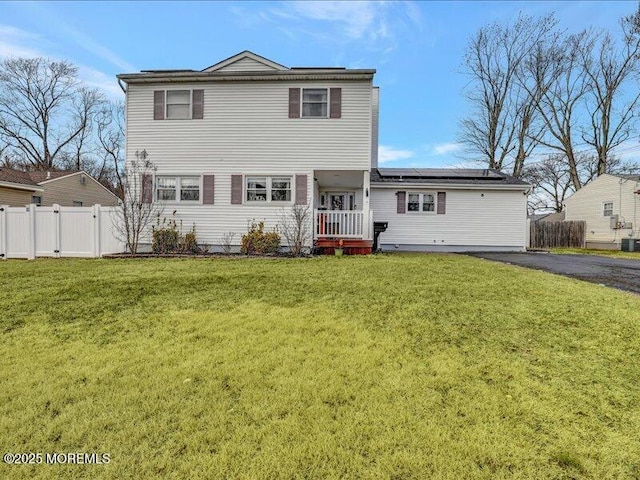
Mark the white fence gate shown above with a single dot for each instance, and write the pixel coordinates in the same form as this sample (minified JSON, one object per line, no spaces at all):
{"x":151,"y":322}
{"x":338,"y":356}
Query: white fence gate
{"x":32,"y":231}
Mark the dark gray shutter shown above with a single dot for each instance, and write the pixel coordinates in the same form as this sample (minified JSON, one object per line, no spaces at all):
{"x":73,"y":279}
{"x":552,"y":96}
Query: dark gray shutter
{"x":402,"y":202}
{"x":301,"y":189}
{"x":294,"y":103}
{"x":236,"y":189}
{"x":158,"y":105}
{"x":335,"y":97}
{"x":197,"y":108}
{"x":207,"y":189}
{"x":442,"y":203}
{"x":147,"y":189}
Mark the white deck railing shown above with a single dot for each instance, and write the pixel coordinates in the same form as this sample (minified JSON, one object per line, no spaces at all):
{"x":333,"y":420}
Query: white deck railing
{"x":338,"y":223}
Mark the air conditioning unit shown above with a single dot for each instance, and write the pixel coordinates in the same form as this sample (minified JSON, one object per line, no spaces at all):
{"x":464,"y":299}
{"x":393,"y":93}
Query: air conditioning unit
{"x":630,"y":245}
{"x":613,"y":222}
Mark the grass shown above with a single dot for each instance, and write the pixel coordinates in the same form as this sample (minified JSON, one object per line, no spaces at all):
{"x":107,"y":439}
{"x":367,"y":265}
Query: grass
{"x":603,"y":253}
{"x":393,"y":366}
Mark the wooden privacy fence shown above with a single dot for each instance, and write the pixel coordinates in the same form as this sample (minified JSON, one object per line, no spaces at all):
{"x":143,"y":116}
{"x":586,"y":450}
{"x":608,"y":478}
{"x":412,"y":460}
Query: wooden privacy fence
{"x":32,"y":231}
{"x":557,"y":234}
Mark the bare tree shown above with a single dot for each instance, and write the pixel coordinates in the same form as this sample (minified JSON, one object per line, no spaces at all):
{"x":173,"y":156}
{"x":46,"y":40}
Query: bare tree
{"x":551,"y":182}
{"x":609,"y":69}
{"x":503,"y":109}
{"x":138,"y":211}
{"x":295,"y":227}
{"x":43,"y":108}
{"x":110,"y":133}
{"x":563,"y":96}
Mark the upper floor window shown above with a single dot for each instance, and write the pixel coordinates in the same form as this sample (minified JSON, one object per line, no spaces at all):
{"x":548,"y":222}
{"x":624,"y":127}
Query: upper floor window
{"x":178,"y":104}
{"x":178,"y":189}
{"x":315,"y":102}
{"x":421,"y":202}
{"x":268,"y":189}
{"x":607,"y":209}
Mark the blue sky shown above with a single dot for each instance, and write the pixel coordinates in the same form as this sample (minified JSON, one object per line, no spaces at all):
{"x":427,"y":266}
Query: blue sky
{"x":416,"y":47}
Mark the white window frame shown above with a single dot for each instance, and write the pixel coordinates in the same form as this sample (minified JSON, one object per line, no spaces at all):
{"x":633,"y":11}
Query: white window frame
{"x":166,"y":104}
{"x":421,"y":203}
{"x":328,"y":90}
{"x":605,"y":209}
{"x":178,"y":189}
{"x":269,"y":184}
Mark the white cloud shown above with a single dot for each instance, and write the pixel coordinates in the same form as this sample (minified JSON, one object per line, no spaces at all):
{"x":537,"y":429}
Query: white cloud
{"x":15,"y":42}
{"x":390,"y":154}
{"x":372,"y":26}
{"x":446,"y":148}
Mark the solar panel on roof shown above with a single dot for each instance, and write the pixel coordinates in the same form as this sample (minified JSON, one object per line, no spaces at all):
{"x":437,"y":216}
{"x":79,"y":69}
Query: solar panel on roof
{"x":440,"y":173}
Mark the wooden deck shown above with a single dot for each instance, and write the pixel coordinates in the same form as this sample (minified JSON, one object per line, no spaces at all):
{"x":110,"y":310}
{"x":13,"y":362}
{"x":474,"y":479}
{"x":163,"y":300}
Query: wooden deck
{"x":350,"y":246}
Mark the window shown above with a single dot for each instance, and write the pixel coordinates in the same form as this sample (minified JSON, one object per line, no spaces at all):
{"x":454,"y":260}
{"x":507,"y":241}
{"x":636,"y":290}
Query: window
{"x":607,"y":209}
{"x":166,"y":187}
{"x":77,"y":203}
{"x":180,"y":189}
{"x":178,"y":104}
{"x":281,"y":189}
{"x":314,"y":102}
{"x":268,"y":189}
{"x":37,"y":199}
{"x":189,"y":189}
{"x":421,"y":202}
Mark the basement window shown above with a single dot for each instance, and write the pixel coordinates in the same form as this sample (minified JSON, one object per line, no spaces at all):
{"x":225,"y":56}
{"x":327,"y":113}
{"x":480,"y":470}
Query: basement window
{"x":607,"y":209}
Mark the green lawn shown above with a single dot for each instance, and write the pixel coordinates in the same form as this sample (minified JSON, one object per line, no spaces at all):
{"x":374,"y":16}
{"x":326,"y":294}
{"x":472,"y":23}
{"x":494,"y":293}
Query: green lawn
{"x":392,"y":366}
{"x":603,"y":253}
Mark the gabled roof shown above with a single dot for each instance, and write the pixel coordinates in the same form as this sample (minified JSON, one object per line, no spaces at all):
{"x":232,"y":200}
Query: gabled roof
{"x":9,"y":175}
{"x":261,"y":62}
{"x":33,"y":181}
{"x":627,"y":176}
{"x":40,"y":176}
{"x":247,"y":66}
{"x":448,"y":176}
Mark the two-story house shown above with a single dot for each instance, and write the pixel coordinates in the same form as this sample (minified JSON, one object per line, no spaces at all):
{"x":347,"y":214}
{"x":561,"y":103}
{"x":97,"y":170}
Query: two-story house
{"x":247,"y":138}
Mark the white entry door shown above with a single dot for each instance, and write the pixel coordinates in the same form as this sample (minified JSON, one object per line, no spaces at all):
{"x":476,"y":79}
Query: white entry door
{"x":342,"y":201}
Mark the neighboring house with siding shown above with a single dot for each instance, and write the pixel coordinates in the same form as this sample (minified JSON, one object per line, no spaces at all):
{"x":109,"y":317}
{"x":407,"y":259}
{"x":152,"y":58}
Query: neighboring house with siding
{"x":248,"y":138}
{"x":610,"y":206}
{"x":64,"y":188}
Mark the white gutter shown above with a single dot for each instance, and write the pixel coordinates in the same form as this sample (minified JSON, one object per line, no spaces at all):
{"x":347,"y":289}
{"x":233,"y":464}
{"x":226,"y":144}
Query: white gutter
{"x":21,"y":186}
{"x":450,"y":186}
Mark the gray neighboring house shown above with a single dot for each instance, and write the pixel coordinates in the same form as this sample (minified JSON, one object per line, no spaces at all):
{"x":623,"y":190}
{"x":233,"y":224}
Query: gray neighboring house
{"x":64,"y":188}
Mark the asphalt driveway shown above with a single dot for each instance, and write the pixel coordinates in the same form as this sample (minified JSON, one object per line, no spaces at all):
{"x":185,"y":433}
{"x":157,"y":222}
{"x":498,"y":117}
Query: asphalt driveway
{"x":612,"y":272}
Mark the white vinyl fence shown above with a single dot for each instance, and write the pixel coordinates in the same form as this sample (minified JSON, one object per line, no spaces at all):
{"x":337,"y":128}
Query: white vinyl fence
{"x":32,"y":231}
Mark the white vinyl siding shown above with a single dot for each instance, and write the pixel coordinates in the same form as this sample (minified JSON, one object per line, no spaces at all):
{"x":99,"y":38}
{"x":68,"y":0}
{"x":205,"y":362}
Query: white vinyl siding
{"x":489,"y":218}
{"x":247,"y":131}
{"x":588,"y":204}
{"x":246,"y":65}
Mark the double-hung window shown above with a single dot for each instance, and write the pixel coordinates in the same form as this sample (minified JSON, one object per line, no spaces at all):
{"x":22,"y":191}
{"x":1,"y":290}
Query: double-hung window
{"x":607,"y":209}
{"x":315,"y":102}
{"x":421,"y":202}
{"x":178,"y":104}
{"x":268,"y":189}
{"x":178,"y":189}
